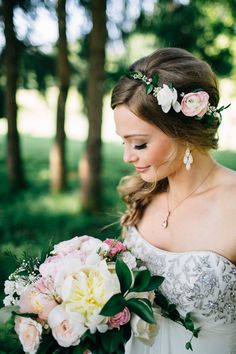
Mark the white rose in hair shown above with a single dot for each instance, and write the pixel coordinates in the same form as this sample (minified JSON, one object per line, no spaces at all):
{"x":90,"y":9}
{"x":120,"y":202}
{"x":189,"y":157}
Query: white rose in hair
{"x":167,"y":97}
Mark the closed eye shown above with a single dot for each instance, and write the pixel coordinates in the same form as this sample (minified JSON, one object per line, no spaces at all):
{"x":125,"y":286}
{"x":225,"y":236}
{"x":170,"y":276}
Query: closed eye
{"x":140,"y":147}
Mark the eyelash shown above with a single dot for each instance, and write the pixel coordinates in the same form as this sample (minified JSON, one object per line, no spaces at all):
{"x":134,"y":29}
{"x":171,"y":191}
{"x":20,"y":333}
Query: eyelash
{"x":140,"y":147}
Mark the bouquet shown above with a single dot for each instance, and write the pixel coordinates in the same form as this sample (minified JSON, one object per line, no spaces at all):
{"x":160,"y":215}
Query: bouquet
{"x":85,"y":296}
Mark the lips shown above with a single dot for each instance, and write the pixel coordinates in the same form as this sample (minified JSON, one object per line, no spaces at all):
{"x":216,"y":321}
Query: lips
{"x":141,"y":169}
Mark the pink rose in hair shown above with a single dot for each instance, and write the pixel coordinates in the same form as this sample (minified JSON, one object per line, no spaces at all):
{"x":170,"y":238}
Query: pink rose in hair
{"x":115,"y":247}
{"x":195,"y":104}
{"x":119,"y":319}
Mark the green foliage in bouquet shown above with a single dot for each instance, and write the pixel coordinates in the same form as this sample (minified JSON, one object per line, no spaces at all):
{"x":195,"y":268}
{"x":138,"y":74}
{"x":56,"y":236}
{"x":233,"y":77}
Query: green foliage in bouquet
{"x":133,"y":296}
{"x":170,"y":311}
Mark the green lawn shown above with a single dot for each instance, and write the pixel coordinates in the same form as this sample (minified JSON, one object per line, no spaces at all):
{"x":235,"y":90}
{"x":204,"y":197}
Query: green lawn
{"x":33,"y":217}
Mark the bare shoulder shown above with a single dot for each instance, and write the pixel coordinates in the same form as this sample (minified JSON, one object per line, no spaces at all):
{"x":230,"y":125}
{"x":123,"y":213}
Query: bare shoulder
{"x":226,"y":195}
{"x":226,"y":186}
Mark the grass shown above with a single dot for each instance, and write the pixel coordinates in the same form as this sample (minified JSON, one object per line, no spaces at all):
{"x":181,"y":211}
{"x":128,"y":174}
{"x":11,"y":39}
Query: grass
{"x":33,"y":217}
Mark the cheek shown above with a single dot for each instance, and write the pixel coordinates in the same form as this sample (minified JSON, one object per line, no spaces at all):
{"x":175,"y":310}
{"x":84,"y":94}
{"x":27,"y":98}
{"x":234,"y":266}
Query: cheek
{"x":163,"y":151}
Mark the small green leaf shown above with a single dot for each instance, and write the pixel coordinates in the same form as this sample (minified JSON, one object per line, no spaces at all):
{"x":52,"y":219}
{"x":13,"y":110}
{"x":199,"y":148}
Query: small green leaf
{"x":141,"y":309}
{"x":161,"y":301}
{"x":89,"y":335}
{"x":115,"y":305}
{"x":196,"y":332}
{"x":124,"y":274}
{"x":80,"y":349}
{"x":155,"y":79}
{"x":141,"y":281}
{"x":46,"y":345}
{"x":188,"y":346}
{"x":111,"y":340}
{"x":149,"y":88}
{"x":189,"y":322}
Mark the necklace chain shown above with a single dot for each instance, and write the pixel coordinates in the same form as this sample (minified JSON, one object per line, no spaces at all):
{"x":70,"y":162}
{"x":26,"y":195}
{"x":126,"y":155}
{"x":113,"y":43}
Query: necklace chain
{"x":165,"y":222}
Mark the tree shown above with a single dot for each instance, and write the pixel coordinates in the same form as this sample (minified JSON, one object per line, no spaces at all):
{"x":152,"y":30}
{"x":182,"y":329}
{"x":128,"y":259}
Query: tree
{"x":57,"y":158}
{"x":90,"y":165}
{"x":14,"y":161}
{"x":203,"y":27}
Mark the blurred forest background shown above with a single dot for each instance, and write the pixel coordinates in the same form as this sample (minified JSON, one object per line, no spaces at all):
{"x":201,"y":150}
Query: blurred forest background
{"x":60,"y":161}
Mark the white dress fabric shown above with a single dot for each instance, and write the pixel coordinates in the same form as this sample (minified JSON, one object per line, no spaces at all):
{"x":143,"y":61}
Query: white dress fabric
{"x":200,"y":282}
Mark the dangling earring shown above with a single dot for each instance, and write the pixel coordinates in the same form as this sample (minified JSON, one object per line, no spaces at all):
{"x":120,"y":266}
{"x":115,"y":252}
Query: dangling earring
{"x":188,"y":159}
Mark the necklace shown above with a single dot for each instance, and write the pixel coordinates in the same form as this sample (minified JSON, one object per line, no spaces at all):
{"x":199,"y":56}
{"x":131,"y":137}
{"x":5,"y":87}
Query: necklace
{"x":165,"y":222}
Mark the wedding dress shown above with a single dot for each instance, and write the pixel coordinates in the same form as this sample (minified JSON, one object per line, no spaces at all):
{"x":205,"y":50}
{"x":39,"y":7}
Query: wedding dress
{"x":200,"y":282}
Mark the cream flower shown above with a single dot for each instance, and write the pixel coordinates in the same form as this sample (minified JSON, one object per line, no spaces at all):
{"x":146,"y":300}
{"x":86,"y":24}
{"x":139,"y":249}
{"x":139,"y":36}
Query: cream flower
{"x":144,"y":331}
{"x":167,"y":98}
{"x":66,"y":329}
{"x":86,"y":289}
{"x":29,"y":333}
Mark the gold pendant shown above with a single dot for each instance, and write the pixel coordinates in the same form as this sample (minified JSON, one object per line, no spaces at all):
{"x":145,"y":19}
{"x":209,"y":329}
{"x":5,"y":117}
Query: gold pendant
{"x":165,"y":221}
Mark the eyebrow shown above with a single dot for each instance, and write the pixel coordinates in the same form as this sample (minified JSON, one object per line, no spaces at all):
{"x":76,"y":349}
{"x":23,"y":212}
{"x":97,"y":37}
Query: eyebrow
{"x":132,"y":135}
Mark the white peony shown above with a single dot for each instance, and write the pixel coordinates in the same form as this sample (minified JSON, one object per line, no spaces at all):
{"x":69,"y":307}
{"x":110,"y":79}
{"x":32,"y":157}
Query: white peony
{"x":167,"y":97}
{"x":86,"y":288}
{"x":66,"y":329}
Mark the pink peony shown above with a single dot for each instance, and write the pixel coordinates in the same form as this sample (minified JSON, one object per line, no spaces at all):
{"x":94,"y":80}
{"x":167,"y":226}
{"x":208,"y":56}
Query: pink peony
{"x":119,"y":319}
{"x":29,"y":332}
{"x":195,"y":104}
{"x":34,"y":301}
{"x":68,"y":246}
{"x":115,"y":247}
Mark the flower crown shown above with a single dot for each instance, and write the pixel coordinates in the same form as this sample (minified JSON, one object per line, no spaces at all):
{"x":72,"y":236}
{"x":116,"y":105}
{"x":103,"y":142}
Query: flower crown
{"x":193,"y":104}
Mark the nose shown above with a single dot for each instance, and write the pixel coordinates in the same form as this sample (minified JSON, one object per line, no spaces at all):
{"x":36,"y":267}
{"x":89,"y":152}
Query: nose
{"x":129,"y":156}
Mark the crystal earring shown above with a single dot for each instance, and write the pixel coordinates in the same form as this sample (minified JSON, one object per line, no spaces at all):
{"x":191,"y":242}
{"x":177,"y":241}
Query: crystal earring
{"x":188,"y":159}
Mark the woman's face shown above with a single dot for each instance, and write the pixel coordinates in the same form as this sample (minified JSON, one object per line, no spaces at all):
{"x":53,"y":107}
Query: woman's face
{"x":153,"y":154}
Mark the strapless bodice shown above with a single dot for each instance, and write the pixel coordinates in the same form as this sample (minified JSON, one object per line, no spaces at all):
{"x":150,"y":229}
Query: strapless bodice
{"x":201,"y":282}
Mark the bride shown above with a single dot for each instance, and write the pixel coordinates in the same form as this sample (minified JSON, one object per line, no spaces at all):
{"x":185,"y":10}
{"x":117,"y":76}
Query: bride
{"x":181,"y":204}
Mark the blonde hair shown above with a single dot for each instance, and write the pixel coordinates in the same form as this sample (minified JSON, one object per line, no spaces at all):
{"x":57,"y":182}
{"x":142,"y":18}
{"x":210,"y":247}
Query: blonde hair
{"x":186,"y":73}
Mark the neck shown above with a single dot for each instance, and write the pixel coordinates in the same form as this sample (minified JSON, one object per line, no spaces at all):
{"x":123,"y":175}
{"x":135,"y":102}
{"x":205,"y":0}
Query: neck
{"x":183,"y":182}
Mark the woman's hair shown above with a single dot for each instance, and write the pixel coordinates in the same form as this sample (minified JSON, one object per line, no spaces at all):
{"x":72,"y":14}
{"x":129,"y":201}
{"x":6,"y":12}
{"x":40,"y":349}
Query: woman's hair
{"x":186,"y":73}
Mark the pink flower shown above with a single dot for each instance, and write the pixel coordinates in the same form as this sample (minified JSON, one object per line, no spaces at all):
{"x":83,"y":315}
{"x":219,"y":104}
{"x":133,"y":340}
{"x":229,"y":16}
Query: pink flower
{"x":68,"y":246}
{"x":34,"y":301}
{"x":195,"y":104}
{"x":29,"y":333}
{"x":115,"y":247}
{"x":119,"y":319}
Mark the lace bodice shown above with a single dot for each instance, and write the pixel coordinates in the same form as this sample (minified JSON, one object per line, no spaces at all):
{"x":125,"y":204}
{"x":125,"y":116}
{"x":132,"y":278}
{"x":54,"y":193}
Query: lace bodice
{"x":202,"y":282}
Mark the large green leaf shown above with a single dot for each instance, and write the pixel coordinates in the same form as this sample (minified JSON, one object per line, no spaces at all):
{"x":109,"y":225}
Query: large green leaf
{"x":141,"y":309}
{"x":141,"y":281}
{"x":111,"y":340}
{"x":115,"y":305}
{"x":124,"y":274}
{"x":154,"y":283}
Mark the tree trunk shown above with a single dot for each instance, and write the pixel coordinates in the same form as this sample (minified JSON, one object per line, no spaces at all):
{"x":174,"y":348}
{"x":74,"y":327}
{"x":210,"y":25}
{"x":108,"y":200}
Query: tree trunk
{"x":14,"y":161}
{"x":90,"y":165}
{"x":58,"y":152}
